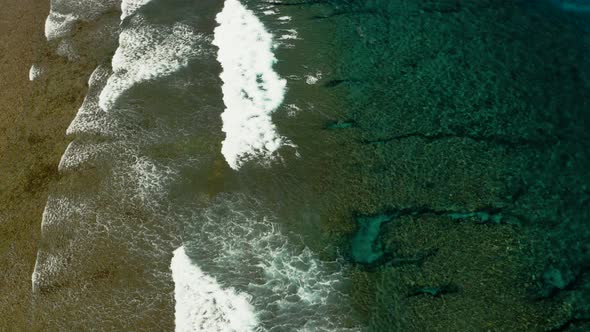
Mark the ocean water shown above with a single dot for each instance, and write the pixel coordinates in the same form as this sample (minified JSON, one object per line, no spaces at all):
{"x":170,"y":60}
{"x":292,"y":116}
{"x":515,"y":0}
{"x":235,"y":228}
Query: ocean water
{"x":338,"y":165}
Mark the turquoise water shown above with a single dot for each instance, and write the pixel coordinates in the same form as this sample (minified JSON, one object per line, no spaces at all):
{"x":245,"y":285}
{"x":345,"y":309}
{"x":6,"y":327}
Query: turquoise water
{"x":475,"y":111}
{"x":364,"y":247}
{"x":424,"y":168}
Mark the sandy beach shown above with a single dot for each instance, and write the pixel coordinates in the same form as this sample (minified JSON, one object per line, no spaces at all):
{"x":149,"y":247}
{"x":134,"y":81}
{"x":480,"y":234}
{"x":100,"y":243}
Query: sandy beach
{"x":32,"y":117}
{"x":21,"y":199}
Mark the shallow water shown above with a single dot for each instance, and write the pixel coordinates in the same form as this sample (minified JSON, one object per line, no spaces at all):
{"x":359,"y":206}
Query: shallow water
{"x":320,"y":166}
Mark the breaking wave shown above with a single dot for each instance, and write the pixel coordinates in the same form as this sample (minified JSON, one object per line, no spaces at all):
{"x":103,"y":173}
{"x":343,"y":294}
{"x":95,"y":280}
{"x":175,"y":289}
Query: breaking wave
{"x":252,"y":90}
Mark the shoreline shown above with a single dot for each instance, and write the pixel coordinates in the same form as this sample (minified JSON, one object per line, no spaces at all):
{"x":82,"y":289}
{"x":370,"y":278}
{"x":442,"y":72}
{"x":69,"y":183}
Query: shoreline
{"x":20,"y":206}
{"x":32,"y":116}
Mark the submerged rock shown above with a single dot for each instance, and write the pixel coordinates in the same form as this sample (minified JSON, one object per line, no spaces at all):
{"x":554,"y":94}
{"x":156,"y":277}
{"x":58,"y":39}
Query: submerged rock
{"x":340,"y":124}
{"x":580,"y":6}
{"x":365,"y":247}
{"x":478,"y":216}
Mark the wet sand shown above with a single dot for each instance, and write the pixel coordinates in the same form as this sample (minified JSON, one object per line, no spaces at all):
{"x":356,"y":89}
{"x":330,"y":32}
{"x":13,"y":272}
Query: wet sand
{"x":33,"y":120}
{"x":22,"y":192}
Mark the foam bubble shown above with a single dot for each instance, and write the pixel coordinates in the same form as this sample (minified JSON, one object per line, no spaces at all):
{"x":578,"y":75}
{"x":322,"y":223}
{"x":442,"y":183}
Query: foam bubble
{"x":291,"y":34}
{"x":147,"y":52}
{"x":35,"y":72}
{"x":252,"y":90}
{"x":150,"y":179}
{"x":313,"y":79}
{"x":58,"y":25}
{"x":65,"y":13}
{"x":203,"y":305}
{"x":293,"y":109}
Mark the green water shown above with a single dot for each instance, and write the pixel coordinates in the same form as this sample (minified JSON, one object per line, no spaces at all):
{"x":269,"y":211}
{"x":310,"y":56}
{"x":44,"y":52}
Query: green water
{"x":364,"y":246}
{"x":472,"y":117}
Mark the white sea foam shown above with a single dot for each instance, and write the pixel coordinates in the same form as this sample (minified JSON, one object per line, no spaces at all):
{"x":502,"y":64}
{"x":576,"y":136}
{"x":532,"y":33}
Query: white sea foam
{"x":35,"y":277}
{"x":58,"y":25}
{"x":285,"y":18}
{"x":149,"y":179}
{"x":129,"y":7}
{"x":85,"y":10}
{"x":60,"y":208}
{"x":130,"y":185}
{"x":60,"y":211}
{"x":147,"y":52}
{"x":203,"y":305}
{"x":293,"y":110}
{"x":237,"y":241}
{"x":35,"y":72}
{"x":78,"y":153}
{"x":252,"y":90}
{"x":91,"y":119}
{"x":47,"y":266}
{"x":66,"y":49}
{"x":313,"y":79}
{"x":290,"y":34}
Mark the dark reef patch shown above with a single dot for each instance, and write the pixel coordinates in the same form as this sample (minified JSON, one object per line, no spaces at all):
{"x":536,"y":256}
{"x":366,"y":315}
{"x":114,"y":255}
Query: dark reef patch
{"x":365,"y":247}
{"x":435,"y":291}
{"x":341,"y":124}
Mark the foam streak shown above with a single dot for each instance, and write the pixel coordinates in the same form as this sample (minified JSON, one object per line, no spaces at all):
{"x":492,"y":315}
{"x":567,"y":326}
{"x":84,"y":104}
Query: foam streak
{"x":252,"y":90}
{"x":203,"y":305}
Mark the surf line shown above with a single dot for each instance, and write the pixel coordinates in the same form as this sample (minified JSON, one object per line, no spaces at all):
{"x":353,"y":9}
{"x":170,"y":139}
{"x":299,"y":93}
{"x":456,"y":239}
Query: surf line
{"x":203,"y":305}
{"x":58,"y":26}
{"x":252,"y":90}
